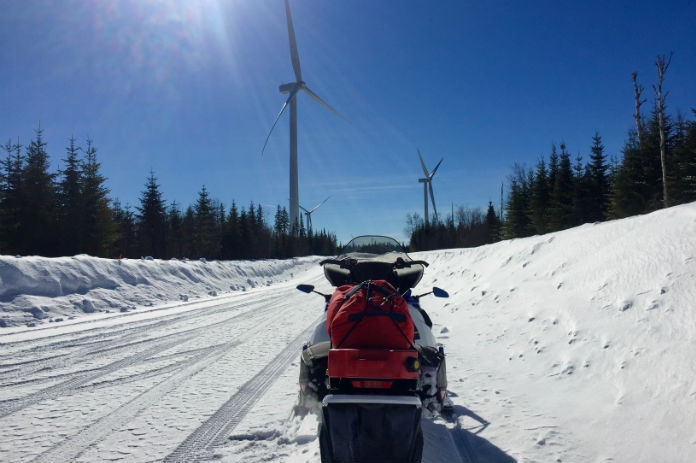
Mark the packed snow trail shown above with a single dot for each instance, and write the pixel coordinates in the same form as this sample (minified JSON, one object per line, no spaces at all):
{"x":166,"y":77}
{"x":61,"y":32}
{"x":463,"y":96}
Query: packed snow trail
{"x":145,"y":384}
{"x":571,"y":346}
{"x":171,"y":384}
{"x":217,"y":429}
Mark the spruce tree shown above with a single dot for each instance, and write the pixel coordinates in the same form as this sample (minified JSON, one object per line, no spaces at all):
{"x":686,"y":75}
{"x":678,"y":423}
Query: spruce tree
{"x":125,"y":240}
{"x":492,"y":225}
{"x":37,"y":228}
{"x":562,"y":214}
{"x":206,"y":237}
{"x":96,"y":223}
{"x":188,"y":233}
{"x":231,"y":240}
{"x":175,"y":235}
{"x":599,"y":178}
{"x":10,"y":198}
{"x":152,"y":220}
{"x":540,"y":199}
{"x":684,"y":162}
{"x":517,"y":222}
{"x":70,"y":203}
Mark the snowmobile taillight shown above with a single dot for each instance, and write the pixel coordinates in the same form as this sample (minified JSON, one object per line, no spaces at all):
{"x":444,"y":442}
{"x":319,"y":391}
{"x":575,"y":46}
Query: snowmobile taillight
{"x":412,"y":363}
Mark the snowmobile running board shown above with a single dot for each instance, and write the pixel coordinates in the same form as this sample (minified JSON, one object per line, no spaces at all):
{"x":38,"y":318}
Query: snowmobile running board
{"x":388,"y":428}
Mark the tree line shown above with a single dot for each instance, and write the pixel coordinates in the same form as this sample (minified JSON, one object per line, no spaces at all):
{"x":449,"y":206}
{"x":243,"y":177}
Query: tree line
{"x":69,"y":212}
{"x":657,"y":169}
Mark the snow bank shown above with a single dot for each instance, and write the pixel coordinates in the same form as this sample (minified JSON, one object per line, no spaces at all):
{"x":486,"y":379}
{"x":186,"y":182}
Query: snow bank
{"x":35,"y":289}
{"x":578,"y":345}
{"x":571,"y":346}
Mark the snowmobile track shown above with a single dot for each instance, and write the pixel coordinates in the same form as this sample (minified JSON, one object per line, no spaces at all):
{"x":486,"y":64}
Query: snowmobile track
{"x":108,"y":340}
{"x":65,"y":387}
{"x":75,"y":445}
{"x":119,"y":340}
{"x":218,"y":427}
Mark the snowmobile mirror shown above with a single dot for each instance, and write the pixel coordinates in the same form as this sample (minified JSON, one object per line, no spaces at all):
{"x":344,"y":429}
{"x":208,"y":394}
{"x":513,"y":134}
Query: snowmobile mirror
{"x":439,"y":292}
{"x":306,"y":288}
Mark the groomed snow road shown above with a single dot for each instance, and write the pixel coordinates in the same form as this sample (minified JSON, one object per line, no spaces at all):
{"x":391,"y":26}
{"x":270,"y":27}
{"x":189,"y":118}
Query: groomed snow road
{"x":213,"y":379}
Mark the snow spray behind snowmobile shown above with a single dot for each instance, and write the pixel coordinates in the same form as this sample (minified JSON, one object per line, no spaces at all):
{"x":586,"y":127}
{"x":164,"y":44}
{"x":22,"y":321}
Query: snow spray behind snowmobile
{"x":373,"y":363}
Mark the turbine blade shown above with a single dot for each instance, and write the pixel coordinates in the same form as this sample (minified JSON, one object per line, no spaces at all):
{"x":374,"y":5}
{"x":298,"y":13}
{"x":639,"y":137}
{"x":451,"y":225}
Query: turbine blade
{"x":280,"y":113}
{"x":432,"y":199}
{"x":318,"y":205}
{"x":294,"y":57}
{"x":303,"y":208}
{"x":435,"y":169}
{"x":326,"y":105}
{"x":425,"y":170}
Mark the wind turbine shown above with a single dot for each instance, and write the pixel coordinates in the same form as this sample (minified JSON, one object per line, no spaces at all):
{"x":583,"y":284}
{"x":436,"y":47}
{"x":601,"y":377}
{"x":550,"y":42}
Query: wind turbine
{"x":428,"y":185}
{"x":292,"y":89}
{"x":308,"y":213}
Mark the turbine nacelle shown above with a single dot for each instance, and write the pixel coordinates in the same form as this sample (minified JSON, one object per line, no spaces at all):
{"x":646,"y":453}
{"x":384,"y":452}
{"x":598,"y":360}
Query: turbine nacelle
{"x":309,"y":212}
{"x":292,"y":88}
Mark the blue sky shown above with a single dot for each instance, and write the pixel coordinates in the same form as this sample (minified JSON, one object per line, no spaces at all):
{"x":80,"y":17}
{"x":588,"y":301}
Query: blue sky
{"x":189,"y":90}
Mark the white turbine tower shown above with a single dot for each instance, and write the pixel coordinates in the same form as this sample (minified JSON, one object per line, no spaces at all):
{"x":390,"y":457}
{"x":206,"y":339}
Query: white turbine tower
{"x":308,"y":213}
{"x":293,"y":88}
{"x":428,"y":185}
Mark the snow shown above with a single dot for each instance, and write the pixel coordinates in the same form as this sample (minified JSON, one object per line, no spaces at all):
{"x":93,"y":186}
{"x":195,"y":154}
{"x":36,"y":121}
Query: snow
{"x":571,"y":346}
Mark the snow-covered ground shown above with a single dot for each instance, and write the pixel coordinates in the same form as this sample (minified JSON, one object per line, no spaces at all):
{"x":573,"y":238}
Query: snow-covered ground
{"x":572,"y":346}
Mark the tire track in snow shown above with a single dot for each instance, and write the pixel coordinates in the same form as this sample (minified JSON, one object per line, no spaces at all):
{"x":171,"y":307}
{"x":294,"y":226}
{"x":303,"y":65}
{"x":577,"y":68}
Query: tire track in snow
{"x":73,"y":446}
{"x":75,"y":382}
{"x":61,"y":389}
{"x":219,"y":426}
{"x":108,"y":339}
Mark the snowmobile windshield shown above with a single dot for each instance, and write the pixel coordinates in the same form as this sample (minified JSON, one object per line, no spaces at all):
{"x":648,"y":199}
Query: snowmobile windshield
{"x":373,"y":257}
{"x":372,"y":245}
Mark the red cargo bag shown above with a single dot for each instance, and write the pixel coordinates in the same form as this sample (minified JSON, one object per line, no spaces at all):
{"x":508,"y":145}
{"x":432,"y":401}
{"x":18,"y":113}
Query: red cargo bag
{"x":371,"y":315}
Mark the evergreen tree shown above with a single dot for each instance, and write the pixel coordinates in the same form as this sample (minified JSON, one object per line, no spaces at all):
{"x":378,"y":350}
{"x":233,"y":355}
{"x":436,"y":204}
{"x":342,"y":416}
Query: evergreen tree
{"x":231,"y":240}
{"x":10,"y":198}
{"x":562,"y":214}
{"x":684,"y":162}
{"x":599,"y":192}
{"x":188,"y":233}
{"x":38,"y":224}
{"x":96,"y":223}
{"x":70,"y":203}
{"x":540,"y":199}
{"x":282,"y":222}
{"x":629,"y":187}
{"x":582,"y":191}
{"x":281,"y":234}
{"x":175,"y":235}
{"x":206,"y":237}
{"x":492,"y":224}
{"x":125,"y":240}
{"x":152,"y":220}
{"x":553,"y":167}
{"x":517,"y":223}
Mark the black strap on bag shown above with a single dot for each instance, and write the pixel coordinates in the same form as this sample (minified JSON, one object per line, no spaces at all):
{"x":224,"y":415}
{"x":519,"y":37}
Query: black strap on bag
{"x":358,"y":317}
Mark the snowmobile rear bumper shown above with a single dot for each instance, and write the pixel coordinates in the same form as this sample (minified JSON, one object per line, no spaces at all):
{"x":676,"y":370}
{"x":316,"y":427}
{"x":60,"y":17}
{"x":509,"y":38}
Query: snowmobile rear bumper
{"x":371,"y":428}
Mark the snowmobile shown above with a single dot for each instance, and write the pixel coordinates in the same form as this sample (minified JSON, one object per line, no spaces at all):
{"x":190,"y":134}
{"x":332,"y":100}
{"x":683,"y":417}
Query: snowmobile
{"x":372,"y":364}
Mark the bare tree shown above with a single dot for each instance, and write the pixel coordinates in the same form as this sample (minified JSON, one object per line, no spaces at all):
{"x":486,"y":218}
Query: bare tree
{"x":662,"y":64}
{"x":637,"y":91}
